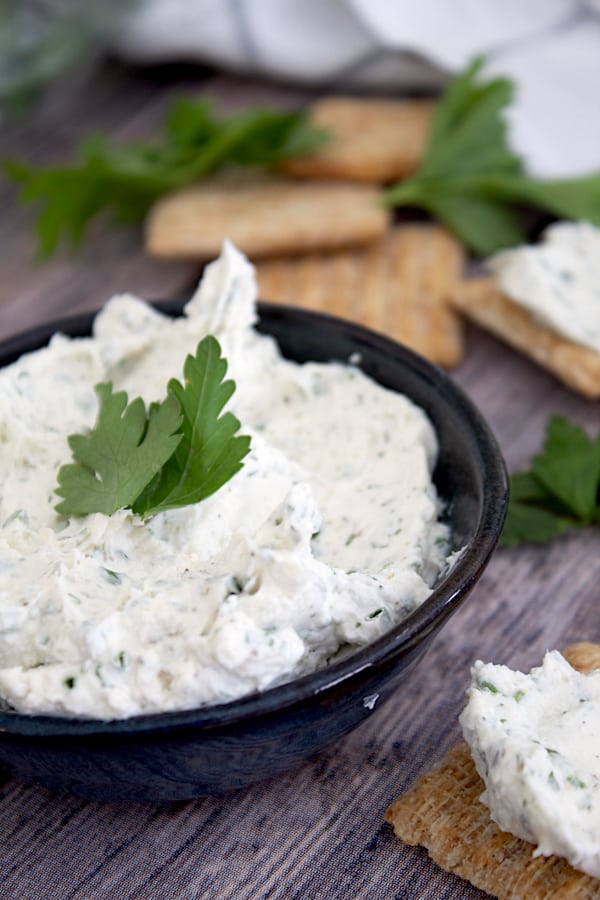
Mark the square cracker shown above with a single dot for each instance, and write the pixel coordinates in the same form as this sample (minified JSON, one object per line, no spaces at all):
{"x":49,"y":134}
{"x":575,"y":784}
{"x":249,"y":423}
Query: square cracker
{"x":399,"y":285}
{"x":443,"y":813}
{"x":263,"y":216}
{"x":369,"y":140}
{"x":575,"y":365}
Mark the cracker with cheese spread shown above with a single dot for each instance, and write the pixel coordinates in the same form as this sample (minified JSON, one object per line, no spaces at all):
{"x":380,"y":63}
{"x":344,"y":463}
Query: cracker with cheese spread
{"x":443,"y":813}
{"x":263,"y":216}
{"x":399,"y":285}
{"x":373,"y":140}
{"x":575,"y":365}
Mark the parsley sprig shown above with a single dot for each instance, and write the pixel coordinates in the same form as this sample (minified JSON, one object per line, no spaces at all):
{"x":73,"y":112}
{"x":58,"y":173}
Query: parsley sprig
{"x":470,"y":180}
{"x":124,"y":181}
{"x":561,"y":489}
{"x":177,"y":452}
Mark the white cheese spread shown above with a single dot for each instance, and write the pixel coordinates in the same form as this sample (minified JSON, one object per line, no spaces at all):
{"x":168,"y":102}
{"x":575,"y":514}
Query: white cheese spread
{"x":557,"y":280}
{"x":535,"y":739}
{"x":327,"y":537}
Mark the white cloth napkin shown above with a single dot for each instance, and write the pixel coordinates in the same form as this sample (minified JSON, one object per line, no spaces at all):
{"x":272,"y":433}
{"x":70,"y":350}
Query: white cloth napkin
{"x":551,"y":49}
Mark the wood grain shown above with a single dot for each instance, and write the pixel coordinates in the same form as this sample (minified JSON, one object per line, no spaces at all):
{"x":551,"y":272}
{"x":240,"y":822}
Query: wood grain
{"x":319,"y":831}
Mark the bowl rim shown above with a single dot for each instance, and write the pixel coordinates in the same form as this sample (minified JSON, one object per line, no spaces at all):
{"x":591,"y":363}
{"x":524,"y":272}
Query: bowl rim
{"x":404,"y":636}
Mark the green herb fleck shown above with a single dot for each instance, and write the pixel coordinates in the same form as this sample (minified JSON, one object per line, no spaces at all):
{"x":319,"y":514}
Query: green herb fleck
{"x":576,"y":782}
{"x":553,"y":782}
{"x":111,"y":577}
{"x":488,"y":686}
{"x":375,"y":614}
{"x":518,"y":695}
{"x":69,"y":682}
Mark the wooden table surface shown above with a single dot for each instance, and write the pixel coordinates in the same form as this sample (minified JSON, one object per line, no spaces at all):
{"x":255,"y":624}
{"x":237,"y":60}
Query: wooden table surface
{"x":317,"y":831}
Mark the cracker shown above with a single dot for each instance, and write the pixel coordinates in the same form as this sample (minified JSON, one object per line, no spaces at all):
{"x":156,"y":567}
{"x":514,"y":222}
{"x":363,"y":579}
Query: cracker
{"x":398,"y":285}
{"x":443,"y":813}
{"x":263,"y":216}
{"x":369,"y":140}
{"x":585,"y":656}
{"x":575,"y":365}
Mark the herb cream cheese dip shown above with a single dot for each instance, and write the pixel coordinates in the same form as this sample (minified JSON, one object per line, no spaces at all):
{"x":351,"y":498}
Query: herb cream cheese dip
{"x":535,"y":739}
{"x":327,"y":536}
{"x":557,"y":280}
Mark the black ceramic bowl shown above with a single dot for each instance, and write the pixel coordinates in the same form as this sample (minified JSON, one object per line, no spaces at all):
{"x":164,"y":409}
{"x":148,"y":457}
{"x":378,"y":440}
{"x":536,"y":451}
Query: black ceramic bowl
{"x":205,"y":751}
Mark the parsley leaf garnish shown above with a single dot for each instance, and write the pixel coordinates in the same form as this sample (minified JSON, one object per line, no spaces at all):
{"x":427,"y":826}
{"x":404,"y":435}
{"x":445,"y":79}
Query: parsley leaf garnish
{"x":209,"y":453}
{"x":115,"y":461}
{"x":124,"y":181}
{"x":561,"y":489}
{"x":178,"y":452}
{"x":470,"y":180}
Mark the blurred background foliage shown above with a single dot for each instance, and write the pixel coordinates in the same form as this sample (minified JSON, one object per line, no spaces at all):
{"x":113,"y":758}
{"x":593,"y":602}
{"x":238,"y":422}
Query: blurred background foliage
{"x":41,"y":40}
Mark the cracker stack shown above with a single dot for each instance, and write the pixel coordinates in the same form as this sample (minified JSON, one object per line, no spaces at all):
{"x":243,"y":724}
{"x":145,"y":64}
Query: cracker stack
{"x":398,"y":285}
{"x":444,"y":814}
{"x":321,"y":237}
